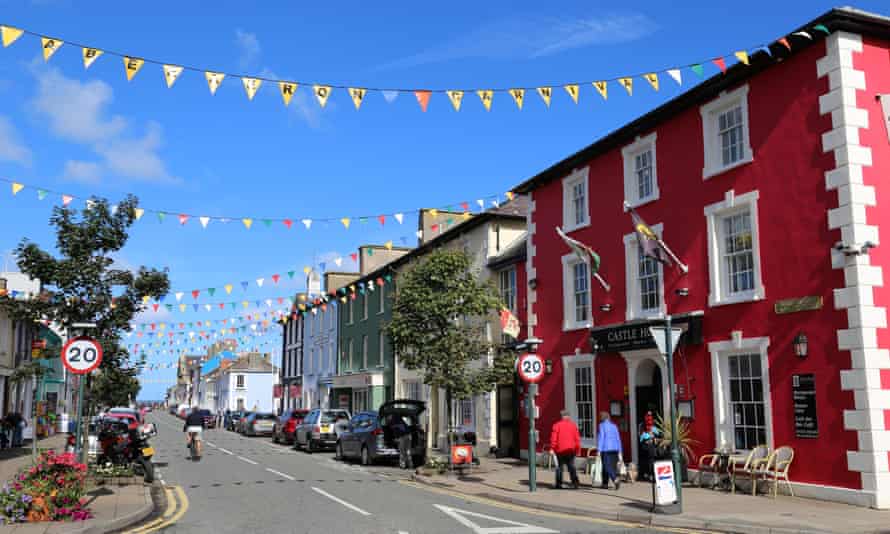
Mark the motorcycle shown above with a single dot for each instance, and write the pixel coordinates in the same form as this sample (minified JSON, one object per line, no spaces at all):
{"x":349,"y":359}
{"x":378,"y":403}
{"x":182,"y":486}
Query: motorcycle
{"x":121,"y":446}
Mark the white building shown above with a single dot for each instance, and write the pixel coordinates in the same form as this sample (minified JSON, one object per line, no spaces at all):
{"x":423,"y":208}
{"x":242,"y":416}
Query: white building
{"x":247,"y":384}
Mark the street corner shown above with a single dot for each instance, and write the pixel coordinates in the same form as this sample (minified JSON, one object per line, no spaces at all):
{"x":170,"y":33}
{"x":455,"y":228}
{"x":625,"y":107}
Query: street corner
{"x":170,"y":503}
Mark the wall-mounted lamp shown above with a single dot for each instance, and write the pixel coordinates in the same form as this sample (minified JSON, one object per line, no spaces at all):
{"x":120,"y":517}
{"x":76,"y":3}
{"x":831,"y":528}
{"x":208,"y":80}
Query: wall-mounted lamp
{"x":682,"y":291}
{"x":548,"y":366}
{"x":533,"y":283}
{"x":801,"y":345}
{"x":605,"y":307}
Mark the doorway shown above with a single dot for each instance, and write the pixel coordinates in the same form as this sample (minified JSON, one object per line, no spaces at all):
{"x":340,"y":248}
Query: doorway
{"x":649,"y":391}
{"x":508,"y":421}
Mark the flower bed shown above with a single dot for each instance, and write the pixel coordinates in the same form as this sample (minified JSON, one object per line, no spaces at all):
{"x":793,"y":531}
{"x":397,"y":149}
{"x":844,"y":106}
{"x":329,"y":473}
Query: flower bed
{"x":50,"y":490}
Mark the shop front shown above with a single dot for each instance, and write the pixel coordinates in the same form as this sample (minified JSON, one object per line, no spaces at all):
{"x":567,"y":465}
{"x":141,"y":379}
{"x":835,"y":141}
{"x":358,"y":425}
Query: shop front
{"x":358,"y":392}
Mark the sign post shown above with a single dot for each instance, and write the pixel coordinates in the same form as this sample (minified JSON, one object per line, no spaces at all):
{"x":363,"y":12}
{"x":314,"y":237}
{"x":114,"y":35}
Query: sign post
{"x":81,"y":355}
{"x":531,"y":371}
{"x":666,"y":338}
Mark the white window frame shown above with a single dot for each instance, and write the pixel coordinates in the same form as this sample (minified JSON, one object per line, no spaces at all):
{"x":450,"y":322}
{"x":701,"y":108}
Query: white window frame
{"x":714,"y":213}
{"x":382,"y":296}
{"x":457,"y":412}
{"x":568,"y":184}
{"x":710,"y":114}
{"x":569,"y":364}
{"x":633,"y":309}
{"x":240,"y":381}
{"x":724,"y":430}
{"x":364,"y":351}
{"x":568,"y":288}
{"x":508,"y":275}
{"x":631,"y":186}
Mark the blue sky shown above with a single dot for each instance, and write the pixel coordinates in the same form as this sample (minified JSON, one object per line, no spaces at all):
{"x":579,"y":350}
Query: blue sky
{"x":87,"y":132}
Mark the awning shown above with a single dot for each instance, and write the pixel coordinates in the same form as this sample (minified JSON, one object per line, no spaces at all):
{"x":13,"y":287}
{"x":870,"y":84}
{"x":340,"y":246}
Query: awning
{"x":635,"y":335}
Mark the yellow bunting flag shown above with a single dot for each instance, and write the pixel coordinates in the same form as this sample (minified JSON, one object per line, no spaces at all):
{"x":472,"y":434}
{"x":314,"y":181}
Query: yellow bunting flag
{"x":287,"y":91}
{"x":628,"y":84}
{"x":322,"y":92}
{"x":357,"y":94}
{"x":486,"y":96}
{"x":467,"y":215}
{"x":545,"y":93}
{"x":602,"y":88}
{"x":456,"y":97}
{"x":10,"y":34}
{"x":16,"y":187}
{"x":228,"y":288}
{"x":306,"y":270}
{"x":572,"y":89}
{"x":214,"y":79}
{"x":145,"y":299}
{"x":138,"y":212}
{"x":345,"y":221}
{"x":49,"y":47}
{"x":182,"y":308}
{"x":652,"y":78}
{"x":245,"y":303}
{"x":251,"y":86}
{"x":742,"y":56}
{"x":518,"y":96}
{"x":510,"y":195}
{"x":171,"y":73}
{"x":90,"y":55}
{"x":434,"y":212}
{"x":388,"y":245}
{"x":132,"y":66}
{"x":247,"y":222}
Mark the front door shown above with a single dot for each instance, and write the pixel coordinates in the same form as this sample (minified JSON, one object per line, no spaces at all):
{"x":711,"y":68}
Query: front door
{"x":649,"y":397}
{"x":508,"y":421}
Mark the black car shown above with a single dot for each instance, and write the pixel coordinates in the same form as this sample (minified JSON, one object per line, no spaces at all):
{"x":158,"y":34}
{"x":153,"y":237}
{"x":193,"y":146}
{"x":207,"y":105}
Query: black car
{"x":232,"y":421}
{"x":370,"y":436}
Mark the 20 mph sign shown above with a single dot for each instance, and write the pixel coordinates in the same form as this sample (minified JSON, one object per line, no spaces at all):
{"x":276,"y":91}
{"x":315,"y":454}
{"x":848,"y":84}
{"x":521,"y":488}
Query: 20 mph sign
{"x":531,"y":368}
{"x":81,"y":355}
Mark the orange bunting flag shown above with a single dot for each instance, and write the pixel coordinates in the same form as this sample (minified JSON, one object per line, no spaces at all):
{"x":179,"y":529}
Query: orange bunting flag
{"x":510,"y":195}
{"x":742,"y":56}
{"x":16,"y":187}
{"x":247,"y":222}
{"x":602,"y":88}
{"x":287,"y":91}
{"x":785,"y":42}
{"x":518,"y":96}
{"x":132,"y":66}
{"x":345,"y":221}
{"x":423,"y":99}
{"x":572,"y":89}
{"x":628,"y":84}
{"x":486,"y":95}
{"x":721,"y":64}
{"x":456,"y":98}
{"x":66,"y":199}
{"x":90,"y":55}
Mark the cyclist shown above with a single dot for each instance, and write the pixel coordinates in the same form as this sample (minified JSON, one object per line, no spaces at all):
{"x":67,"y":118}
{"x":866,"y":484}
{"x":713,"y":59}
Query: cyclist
{"x":194,"y":426}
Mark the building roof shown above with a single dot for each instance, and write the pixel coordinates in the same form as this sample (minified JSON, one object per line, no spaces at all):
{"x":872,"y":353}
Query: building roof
{"x":838,"y":19}
{"x":516,"y":252}
{"x":252,"y":362}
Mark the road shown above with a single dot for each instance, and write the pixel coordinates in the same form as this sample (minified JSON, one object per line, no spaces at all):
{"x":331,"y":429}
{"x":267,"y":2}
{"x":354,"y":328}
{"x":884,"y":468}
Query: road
{"x":252,"y":485}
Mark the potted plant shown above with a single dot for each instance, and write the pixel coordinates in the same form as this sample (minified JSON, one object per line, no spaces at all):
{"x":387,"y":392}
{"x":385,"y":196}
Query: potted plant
{"x":684,"y":442}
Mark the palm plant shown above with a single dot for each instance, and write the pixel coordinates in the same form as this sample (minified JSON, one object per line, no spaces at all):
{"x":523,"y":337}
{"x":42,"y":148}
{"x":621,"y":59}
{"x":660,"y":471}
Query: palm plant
{"x":685,"y":441}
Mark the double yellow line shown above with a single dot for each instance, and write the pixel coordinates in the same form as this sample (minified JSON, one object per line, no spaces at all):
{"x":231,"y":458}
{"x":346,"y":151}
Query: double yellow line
{"x":177,"y":505}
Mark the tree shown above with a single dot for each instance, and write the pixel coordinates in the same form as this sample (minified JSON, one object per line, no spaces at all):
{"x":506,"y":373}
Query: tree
{"x":438,"y":327}
{"x":82,"y":285}
{"x":113,"y":386}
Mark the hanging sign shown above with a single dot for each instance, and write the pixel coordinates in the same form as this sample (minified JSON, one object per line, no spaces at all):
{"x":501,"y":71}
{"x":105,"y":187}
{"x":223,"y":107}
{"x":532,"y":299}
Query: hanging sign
{"x":81,"y":355}
{"x":803,"y":393}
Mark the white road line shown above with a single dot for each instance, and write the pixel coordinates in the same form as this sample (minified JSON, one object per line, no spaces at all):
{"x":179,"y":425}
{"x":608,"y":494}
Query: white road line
{"x":248,"y":460}
{"x":279,"y":473}
{"x":211,"y":444}
{"x":225,"y":450}
{"x":338,"y":500}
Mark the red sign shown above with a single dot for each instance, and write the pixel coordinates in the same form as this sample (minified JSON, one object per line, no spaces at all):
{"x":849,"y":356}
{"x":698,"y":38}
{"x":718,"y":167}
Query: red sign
{"x":276,"y":391}
{"x":461,"y":454}
{"x":81,"y":355}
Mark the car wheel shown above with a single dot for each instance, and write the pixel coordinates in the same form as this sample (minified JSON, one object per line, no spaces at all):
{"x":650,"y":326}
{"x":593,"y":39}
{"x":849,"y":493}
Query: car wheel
{"x":366,"y":457}
{"x":274,"y":437}
{"x":338,"y":452}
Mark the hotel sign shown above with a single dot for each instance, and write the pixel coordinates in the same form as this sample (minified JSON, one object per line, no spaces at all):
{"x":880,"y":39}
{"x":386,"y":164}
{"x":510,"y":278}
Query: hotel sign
{"x":798,"y":305}
{"x":637,"y":336}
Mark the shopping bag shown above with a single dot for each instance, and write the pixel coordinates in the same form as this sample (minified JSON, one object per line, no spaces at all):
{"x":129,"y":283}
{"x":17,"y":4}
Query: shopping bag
{"x":622,"y":467}
{"x":596,"y":477}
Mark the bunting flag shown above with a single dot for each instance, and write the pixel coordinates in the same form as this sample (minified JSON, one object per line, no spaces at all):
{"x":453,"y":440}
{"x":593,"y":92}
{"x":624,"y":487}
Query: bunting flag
{"x":389,"y":95}
{"x":287,"y":91}
{"x":251,"y":86}
{"x":721,"y":64}
{"x":455,"y":97}
{"x":742,"y":56}
{"x":322,"y":92}
{"x":138,"y":213}
{"x":345,"y":221}
{"x":545,"y":93}
{"x":518,"y":96}
{"x":171,"y":73}
{"x":16,"y":187}
{"x":132,"y":66}
{"x":486,"y":96}
{"x":784,"y":42}
{"x":572,"y":89}
{"x":66,"y":199}
{"x":248,"y":222}
{"x":676,"y":75}
{"x":628,"y":84}
{"x":10,"y":34}
{"x":423,"y":99}
{"x":357,"y":94}
{"x":652,"y":78}
{"x":698,"y":69}
{"x":214,"y":80}
{"x":602,"y":88}
{"x":49,"y":47}
{"x":90,"y":55}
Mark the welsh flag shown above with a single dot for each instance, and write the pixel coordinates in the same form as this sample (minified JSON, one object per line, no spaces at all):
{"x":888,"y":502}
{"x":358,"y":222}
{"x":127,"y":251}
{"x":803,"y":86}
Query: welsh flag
{"x":587,"y":255}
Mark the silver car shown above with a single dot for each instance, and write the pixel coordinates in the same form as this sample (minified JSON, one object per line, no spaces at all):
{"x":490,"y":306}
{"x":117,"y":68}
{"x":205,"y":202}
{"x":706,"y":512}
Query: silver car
{"x":320,"y":429}
{"x":259,"y":424}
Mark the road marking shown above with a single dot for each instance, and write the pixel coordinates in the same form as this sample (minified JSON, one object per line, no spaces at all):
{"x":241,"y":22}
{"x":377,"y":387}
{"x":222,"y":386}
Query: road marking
{"x":338,"y":500}
{"x":225,"y":450}
{"x":169,"y":516}
{"x":513,"y":527}
{"x":279,"y":473}
{"x":211,"y":444}
{"x":248,"y":460}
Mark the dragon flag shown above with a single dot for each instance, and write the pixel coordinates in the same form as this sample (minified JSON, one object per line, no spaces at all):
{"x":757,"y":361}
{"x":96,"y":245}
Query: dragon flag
{"x":587,"y":255}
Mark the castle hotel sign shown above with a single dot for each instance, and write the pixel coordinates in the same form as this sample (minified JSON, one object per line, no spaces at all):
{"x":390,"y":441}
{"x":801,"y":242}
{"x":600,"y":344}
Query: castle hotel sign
{"x":636,"y":336}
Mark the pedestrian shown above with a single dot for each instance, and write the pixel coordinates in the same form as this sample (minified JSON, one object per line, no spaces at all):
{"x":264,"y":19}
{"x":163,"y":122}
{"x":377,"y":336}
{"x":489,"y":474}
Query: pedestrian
{"x":565,"y":442}
{"x":648,"y":434}
{"x":402,"y":434}
{"x":608,"y":443}
{"x":18,"y":424}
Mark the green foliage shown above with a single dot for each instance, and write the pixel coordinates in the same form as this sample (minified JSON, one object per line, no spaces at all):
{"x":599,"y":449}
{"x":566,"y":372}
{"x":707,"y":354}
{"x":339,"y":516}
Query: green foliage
{"x":685,"y":441}
{"x":113,"y":386}
{"x":78,"y":286}
{"x":439,"y":322}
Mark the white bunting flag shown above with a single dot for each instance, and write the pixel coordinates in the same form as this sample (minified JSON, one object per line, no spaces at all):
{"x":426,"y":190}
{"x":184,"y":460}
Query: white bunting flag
{"x":399,"y":217}
{"x":259,"y":282}
{"x":178,"y":297}
{"x":481,"y":203}
{"x":204,"y":221}
{"x":390,"y":96}
{"x":251,"y":86}
{"x":676,"y":75}
{"x":214,"y":79}
{"x":307,"y":222}
{"x":171,"y":74}
{"x":338,"y":261}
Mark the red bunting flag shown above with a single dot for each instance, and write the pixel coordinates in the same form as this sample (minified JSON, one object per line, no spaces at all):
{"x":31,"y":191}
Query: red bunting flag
{"x":352,"y":296}
{"x":423,"y":98}
{"x":288,"y":223}
{"x":380,"y":281}
{"x":222,"y":305}
{"x":275,"y":279}
{"x":785,"y":42}
{"x":183,"y":218}
{"x":465,"y":206}
{"x":195,"y":294}
{"x":155,"y":306}
{"x":280,"y":300}
{"x":721,"y":64}
{"x":382,"y":219}
{"x":354,"y":256}
{"x":152,"y":326}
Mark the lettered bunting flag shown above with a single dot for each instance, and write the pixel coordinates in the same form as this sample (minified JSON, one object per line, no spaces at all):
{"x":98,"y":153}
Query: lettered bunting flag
{"x":357,"y":94}
{"x":49,"y":47}
{"x":652,"y":78}
{"x":486,"y":96}
{"x":518,"y":96}
{"x":214,"y":79}
{"x":742,"y":56}
{"x":10,"y":34}
{"x":545,"y":93}
{"x":423,"y":99}
{"x":455,"y":97}
{"x":132,"y":66}
{"x":322,"y":92}
{"x":572,"y":89}
{"x":171,"y":73}
{"x":628,"y":84}
{"x":90,"y":55}
{"x":287,"y":91}
{"x":251,"y":86}
{"x":602,"y":88}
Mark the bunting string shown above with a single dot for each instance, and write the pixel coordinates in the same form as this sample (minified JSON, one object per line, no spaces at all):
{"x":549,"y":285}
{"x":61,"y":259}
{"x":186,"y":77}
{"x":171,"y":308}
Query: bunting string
{"x":214,"y":78}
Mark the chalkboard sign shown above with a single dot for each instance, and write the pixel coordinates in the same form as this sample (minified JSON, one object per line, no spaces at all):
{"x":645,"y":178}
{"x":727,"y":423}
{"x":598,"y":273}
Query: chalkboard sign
{"x":803,"y":391}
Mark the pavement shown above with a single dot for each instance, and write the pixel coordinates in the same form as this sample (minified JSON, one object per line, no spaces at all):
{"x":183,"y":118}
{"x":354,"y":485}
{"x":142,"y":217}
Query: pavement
{"x":114,"y":506}
{"x":252,"y":485}
{"x":705,"y":509}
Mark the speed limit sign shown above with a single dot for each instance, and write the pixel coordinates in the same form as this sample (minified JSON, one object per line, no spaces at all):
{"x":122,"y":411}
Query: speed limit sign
{"x":81,"y":355}
{"x":531,"y":368}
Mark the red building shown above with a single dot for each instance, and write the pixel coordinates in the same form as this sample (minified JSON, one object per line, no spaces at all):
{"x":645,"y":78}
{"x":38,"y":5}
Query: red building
{"x":768,"y":182}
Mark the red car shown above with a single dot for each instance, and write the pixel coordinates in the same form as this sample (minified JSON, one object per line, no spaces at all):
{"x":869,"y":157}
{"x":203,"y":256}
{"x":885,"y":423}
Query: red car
{"x":286,"y":425}
{"x":133,"y":417}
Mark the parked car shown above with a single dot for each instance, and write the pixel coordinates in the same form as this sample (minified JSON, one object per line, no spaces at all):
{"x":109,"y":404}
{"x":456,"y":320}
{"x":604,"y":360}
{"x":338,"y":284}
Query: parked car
{"x":231,"y":422}
{"x":133,"y":417}
{"x":318,"y":429}
{"x":286,"y":426}
{"x":183,"y":410}
{"x":172,"y":409}
{"x":259,"y":424}
{"x":369,"y":436}
{"x":209,"y":418}
{"x":239,"y":425}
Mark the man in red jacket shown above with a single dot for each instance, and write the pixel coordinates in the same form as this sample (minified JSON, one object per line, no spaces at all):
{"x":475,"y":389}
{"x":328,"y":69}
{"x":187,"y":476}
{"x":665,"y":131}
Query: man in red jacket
{"x":565,"y":442}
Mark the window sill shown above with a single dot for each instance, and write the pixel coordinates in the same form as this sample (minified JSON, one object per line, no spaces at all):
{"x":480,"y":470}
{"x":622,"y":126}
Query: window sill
{"x":642,"y":202}
{"x":570,"y":327}
{"x":572,"y":228}
{"x":645,"y":316}
{"x":752,"y":296}
{"x":712,"y":172}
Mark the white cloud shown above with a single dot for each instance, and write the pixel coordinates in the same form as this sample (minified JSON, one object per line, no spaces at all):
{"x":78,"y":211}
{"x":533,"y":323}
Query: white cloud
{"x":249,"y":47}
{"x":137,"y":158}
{"x":528,"y":37}
{"x":11,"y":146}
{"x":302,"y":104}
{"x":85,"y":172}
